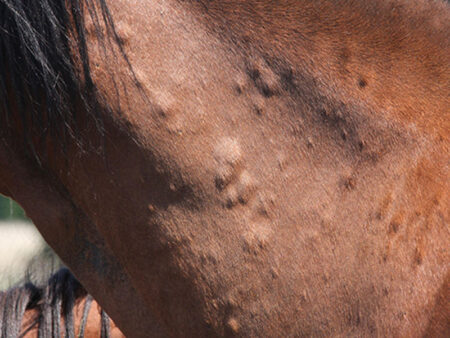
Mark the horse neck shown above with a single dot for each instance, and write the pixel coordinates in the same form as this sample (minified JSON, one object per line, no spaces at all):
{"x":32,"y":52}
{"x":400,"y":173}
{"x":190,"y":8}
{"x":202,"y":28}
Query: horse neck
{"x":391,"y":55}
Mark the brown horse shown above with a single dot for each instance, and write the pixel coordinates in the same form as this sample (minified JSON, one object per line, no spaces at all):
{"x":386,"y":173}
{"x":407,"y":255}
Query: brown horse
{"x":61,"y":308}
{"x":252,"y":168}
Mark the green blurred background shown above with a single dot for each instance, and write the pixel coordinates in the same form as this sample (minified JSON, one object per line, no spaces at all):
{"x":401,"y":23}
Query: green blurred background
{"x":10,"y":210}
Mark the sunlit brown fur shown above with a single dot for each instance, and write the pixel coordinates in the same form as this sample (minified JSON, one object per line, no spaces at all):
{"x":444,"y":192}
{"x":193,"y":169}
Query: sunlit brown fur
{"x":281,"y":170}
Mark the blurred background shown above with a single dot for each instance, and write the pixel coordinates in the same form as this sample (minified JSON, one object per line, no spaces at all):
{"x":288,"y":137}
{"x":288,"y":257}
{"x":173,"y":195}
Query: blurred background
{"x":24,"y":255}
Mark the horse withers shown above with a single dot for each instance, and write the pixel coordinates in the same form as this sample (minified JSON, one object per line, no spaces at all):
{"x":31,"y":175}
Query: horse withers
{"x":62,"y":308}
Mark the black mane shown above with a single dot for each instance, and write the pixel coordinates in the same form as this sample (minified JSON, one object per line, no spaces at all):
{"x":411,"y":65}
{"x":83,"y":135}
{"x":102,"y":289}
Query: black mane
{"x":52,"y":301}
{"x":45,"y":77}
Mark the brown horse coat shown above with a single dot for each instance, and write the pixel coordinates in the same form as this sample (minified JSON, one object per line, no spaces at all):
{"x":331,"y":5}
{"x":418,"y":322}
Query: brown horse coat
{"x":266,"y":169}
